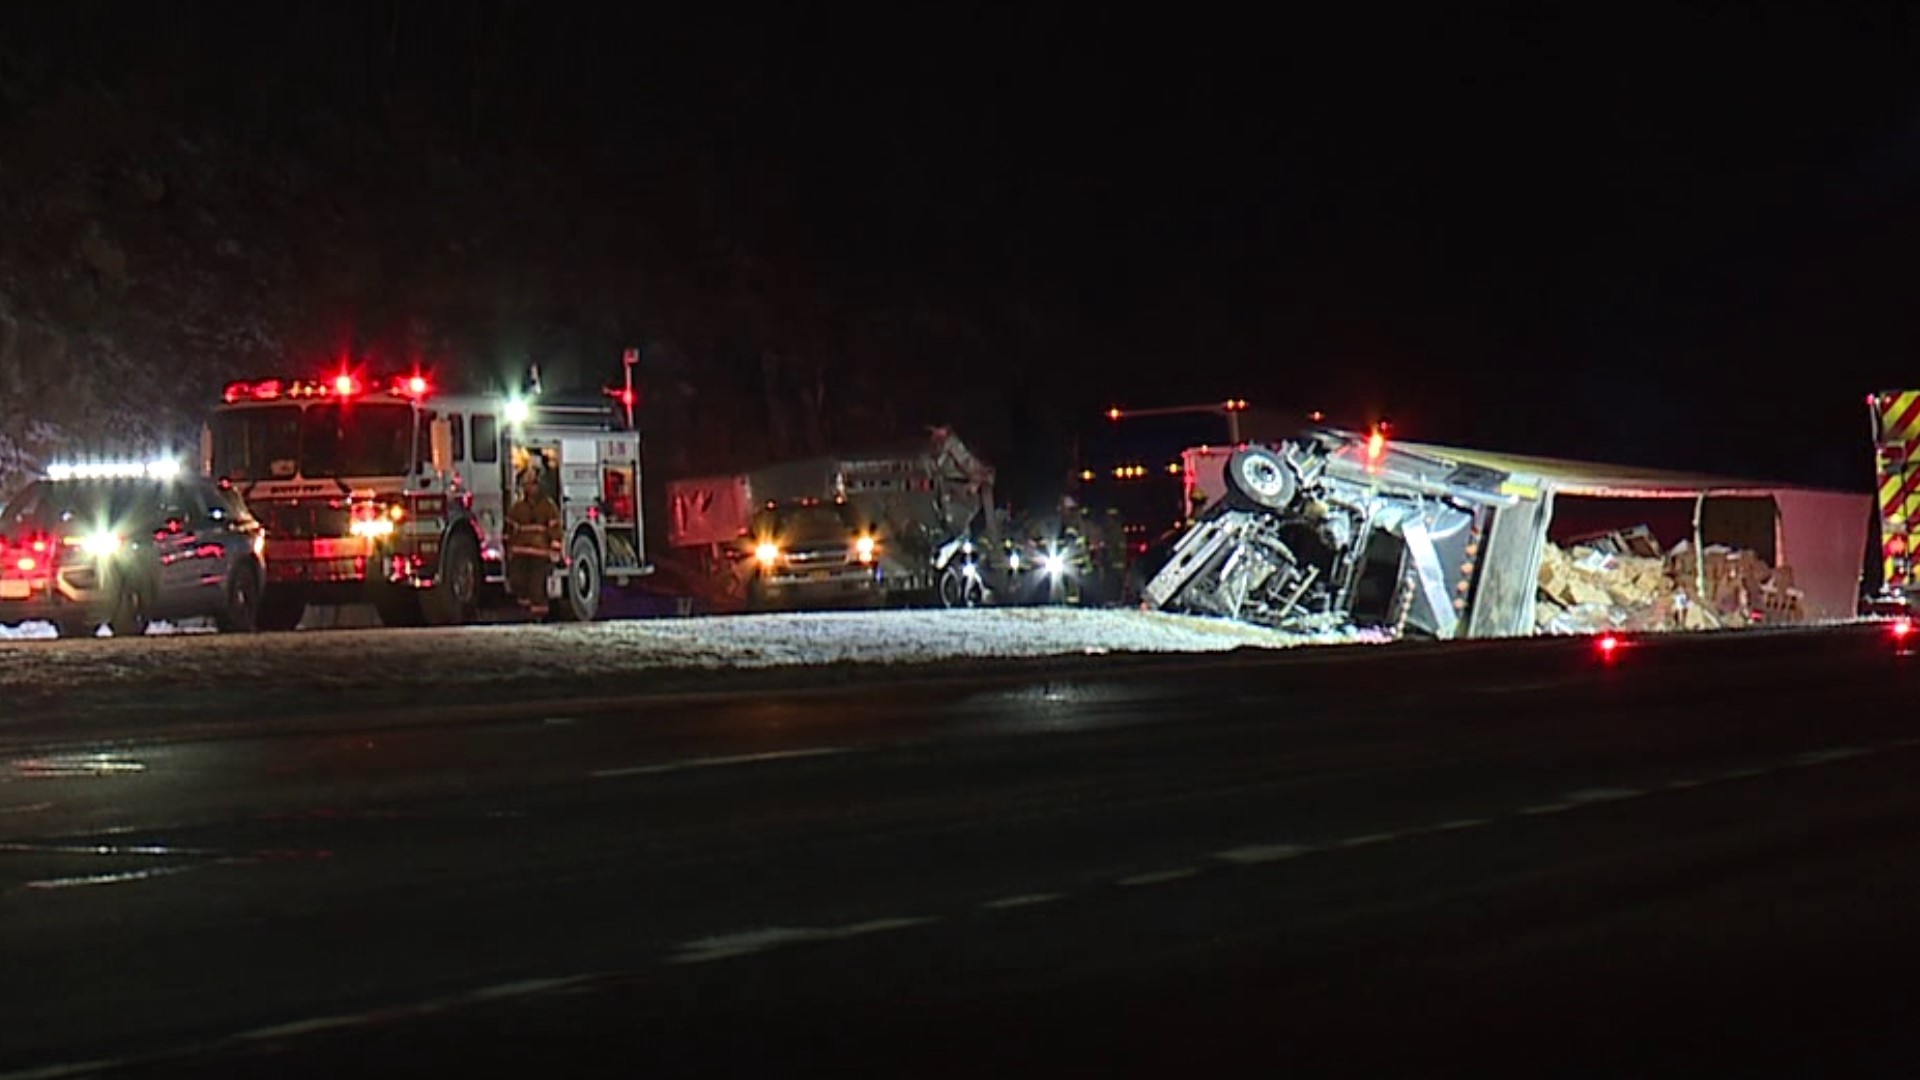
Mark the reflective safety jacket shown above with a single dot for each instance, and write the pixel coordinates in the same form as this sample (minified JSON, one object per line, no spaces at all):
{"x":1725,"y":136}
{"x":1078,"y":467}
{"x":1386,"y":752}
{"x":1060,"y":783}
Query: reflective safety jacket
{"x":533,"y":528}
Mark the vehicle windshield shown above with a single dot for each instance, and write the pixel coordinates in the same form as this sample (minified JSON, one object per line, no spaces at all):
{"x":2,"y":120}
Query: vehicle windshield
{"x":46,"y":506}
{"x":807,"y":524}
{"x":323,"y":439}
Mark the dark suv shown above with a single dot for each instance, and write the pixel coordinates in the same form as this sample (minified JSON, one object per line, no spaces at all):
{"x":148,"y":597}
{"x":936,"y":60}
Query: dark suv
{"x":125,"y":551}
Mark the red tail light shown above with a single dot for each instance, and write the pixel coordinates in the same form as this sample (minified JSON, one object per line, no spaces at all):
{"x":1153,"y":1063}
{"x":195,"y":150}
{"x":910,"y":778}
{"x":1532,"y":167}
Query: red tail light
{"x":1901,"y":629}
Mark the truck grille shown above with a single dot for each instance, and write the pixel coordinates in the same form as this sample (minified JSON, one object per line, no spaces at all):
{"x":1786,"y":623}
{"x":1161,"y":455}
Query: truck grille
{"x":818,"y":557}
{"x":302,"y":520}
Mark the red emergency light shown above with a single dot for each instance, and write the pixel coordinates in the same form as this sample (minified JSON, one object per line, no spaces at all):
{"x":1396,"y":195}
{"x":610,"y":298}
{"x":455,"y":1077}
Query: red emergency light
{"x":1114,"y":413}
{"x":1896,"y":546}
{"x":263,"y":390}
{"x":415,"y":386}
{"x":1900,"y":629}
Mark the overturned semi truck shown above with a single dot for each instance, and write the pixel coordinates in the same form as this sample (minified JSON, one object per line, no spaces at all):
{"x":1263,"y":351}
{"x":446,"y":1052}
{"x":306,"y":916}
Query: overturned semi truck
{"x":1332,"y":530}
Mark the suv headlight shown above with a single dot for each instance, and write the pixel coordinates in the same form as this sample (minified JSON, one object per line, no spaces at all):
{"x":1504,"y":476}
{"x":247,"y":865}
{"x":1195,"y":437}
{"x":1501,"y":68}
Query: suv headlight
{"x":101,"y":544}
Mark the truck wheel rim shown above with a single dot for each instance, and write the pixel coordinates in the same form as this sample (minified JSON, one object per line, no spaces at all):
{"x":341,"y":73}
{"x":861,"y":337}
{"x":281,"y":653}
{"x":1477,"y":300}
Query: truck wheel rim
{"x":1263,"y":476}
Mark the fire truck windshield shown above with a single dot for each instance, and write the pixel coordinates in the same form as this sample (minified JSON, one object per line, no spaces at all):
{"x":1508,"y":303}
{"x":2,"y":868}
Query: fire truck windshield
{"x":323,"y":439}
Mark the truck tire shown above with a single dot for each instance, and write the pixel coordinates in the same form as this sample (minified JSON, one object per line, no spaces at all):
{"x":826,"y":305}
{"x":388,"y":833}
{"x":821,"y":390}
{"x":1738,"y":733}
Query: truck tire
{"x":397,"y":605}
{"x":453,"y":600}
{"x":579,"y":599}
{"x":280,"y":610}
{"x":240,"y":614}
{"x":959,"y":589}
{"x":1259,"y":479}
{"x":132,"y":611}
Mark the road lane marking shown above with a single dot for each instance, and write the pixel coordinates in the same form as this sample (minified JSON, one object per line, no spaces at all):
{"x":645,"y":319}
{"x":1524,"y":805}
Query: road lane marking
{"x":76,"y":1068}
{"x":27,"y":847}
{"x":559,"y":721}
{"x":1683,"y":785}
{"x":1457,"y":824}
{"x":1605,"y":794}
{"x":296,"y":1028}
{"x":527,"y":987}
{"x":30,"y":808}
{"x":1023,"y":900}
{"x":107,"y":879}
{"x":1545,"y":808}
{"x":1905,"y":741}
{"x":715,"y":762}
{"x":1160,"y":877}
{"x":1261,"y":853}
{"x":1742,"y":774}
{"x":747,"y":942}
{"x":1366,"y":839}
{"x":72,"y":766}
{"x":1824,"y":757}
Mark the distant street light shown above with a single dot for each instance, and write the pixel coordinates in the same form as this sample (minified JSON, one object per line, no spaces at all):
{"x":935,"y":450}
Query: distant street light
{"x":1230,"y":408}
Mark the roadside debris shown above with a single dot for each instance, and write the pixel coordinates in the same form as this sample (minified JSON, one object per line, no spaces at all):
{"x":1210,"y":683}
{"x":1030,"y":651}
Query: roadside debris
{"x":1615,"y":585}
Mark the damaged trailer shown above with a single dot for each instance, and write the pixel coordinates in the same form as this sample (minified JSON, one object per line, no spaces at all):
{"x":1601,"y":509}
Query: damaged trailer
{"x":1333,"y":531}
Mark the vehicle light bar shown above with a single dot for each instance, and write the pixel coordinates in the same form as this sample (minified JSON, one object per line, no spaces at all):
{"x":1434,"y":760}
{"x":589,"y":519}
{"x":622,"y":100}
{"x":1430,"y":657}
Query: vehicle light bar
{"x":160,"y":469}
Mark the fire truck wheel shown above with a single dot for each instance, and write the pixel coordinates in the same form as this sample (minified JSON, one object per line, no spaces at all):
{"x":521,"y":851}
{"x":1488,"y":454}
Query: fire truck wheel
{"x":452,"y":600}
{"x":1259,"y":479}
{"x":397,"y":605}
{"x":580,"y":597}
{"x":241,"y":613}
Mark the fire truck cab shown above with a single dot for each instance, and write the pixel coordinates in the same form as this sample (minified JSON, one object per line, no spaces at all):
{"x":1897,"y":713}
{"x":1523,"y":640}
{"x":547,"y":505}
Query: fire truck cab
{"x":394,"y":493}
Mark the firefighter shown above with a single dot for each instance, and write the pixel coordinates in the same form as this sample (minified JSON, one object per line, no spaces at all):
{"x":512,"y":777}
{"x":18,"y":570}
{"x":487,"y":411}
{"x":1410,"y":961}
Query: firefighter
{"x":533,"y":544}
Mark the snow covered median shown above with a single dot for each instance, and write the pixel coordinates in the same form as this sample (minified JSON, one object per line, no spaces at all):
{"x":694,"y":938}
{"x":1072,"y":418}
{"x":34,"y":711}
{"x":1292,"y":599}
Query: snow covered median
{"x":261,"y":674}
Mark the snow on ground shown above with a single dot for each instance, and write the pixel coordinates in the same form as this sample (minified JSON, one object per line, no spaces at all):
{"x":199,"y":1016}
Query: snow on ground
{"x":607,"y":655}
{"x":41,"y":631}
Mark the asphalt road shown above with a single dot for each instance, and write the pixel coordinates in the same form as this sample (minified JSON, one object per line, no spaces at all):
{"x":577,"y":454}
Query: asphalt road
{"x":1702,"y":855}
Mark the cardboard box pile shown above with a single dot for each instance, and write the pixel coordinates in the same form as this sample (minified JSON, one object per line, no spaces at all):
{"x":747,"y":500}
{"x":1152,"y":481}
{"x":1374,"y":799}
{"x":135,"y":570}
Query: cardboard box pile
{"x":1621,"y":585}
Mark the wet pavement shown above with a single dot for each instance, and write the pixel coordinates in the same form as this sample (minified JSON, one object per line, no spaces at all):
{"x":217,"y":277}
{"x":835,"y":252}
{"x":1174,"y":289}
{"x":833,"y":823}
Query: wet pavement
{"x":1697,"y":853}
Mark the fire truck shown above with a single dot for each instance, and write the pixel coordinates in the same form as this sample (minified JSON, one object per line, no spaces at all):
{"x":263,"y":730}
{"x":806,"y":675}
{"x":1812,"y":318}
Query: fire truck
{"x":392,"y":492}
{"x":1895,"y":415}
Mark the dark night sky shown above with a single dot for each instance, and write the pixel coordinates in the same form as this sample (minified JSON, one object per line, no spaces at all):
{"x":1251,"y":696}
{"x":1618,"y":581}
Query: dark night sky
{"x":1684,"y":240}
{"x":1680,"y":241}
